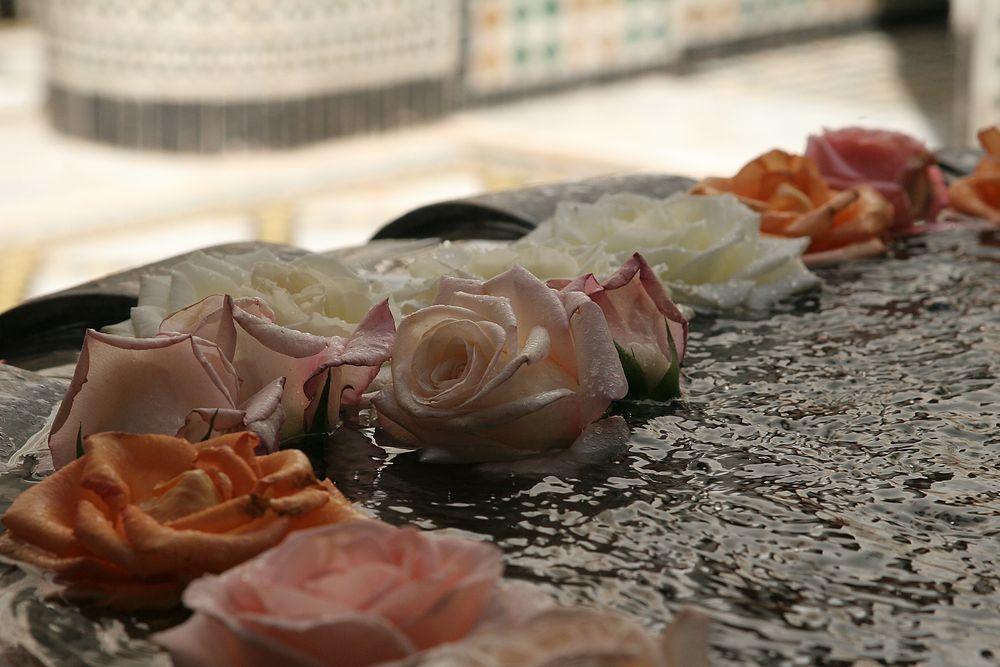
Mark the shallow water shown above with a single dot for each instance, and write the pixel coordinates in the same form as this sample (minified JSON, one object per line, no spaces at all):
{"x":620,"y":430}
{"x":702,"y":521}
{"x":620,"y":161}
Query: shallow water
{"x":828,"y":489}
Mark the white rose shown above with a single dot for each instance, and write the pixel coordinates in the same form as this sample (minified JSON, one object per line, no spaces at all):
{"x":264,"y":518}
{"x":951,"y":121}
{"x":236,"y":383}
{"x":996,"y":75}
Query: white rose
{"x":500,"y":369}
{"x":315,"y":294}
{"x":707,"y":250}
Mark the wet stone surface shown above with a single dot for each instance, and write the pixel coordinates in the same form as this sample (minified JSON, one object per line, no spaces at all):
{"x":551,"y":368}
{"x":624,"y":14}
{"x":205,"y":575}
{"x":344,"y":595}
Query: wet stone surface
{"x":828,"y":489}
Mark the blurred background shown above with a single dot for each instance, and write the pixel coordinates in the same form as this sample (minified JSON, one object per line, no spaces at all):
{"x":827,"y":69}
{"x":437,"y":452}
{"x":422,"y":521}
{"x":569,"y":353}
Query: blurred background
{"x":131,"y":130}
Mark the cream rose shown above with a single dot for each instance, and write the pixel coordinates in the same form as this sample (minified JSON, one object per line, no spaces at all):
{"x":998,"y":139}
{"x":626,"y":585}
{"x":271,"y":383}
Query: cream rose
{"x":499,"y":370}
{"x":314,"y":293}
{"x":706,"y":250}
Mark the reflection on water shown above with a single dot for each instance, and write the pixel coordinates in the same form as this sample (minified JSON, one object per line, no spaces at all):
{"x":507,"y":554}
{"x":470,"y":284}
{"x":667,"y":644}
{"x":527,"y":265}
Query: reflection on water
{"x":828,"y":489}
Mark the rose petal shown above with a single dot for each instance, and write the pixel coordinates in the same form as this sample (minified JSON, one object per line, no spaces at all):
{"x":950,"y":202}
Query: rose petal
{"x":140,"y":386}
{"x":45,"y":514}
{"x":124,"y":468}
{"x":202,"y":639}
{"x":168,"y":550}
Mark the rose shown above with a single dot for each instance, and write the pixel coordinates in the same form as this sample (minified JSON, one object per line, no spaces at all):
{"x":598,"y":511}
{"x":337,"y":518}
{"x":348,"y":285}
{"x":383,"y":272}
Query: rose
{"x":412,"y":282}
{"x":499,"y":370}
{"x":978,"y":193}
{"x":649,"y":331}
{"x":793,"y":200}
{"x":314,"y":293}
{"x":217,"y":366}
{"x":900,"y":167}
{"x":707,"y":251}
{"x":138,"y":516}
{"x":261,"y":351}
{"x":356,"y":594}
{"x":577,"y":636}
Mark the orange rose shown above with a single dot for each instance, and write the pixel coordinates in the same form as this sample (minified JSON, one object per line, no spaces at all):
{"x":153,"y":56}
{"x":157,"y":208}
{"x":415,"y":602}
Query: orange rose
{"x":136,"y":517}
{"x":794,"y":200}
{"x":978,"y":194}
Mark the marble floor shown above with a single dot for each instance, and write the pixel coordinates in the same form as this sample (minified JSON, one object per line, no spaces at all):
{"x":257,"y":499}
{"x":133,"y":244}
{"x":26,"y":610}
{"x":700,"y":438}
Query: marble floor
{"x":71,"y":211}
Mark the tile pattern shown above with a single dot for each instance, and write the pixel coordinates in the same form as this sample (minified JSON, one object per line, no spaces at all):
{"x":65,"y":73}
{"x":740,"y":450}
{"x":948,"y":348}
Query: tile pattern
{"x":715,"y":21}
{"x":206,"y":75}
{"x":524,"y":44}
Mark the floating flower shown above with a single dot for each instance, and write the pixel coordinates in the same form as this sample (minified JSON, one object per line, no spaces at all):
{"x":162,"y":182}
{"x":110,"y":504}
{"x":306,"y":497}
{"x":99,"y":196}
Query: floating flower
{"x":978,"y":194}
{"x":356,"y":594}
{"x":899,"y":167}
{"x":500,"y":369}
{"x":219,"y":365}
{"x":649,"y":331}
{"x":793,"y":200}
{"x":707,"y":251}
{"x":315,"y":294}
{"x":136,"y":517}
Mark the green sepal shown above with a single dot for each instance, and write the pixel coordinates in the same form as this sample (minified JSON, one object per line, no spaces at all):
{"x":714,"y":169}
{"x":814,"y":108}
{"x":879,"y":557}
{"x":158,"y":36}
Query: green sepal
{"x":637,"y":387}
{"x":79,"y":441}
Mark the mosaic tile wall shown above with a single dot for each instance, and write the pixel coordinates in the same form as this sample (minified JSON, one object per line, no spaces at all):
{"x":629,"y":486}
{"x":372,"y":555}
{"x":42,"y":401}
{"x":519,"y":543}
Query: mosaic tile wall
{"x":518,"y":44}
{"x":710,"y":22}
{"x":211,"y":75}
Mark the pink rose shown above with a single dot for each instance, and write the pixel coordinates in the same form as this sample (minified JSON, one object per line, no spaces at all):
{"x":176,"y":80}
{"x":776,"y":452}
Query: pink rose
{"x":499,"y":370}
{"x":354,"y":594}
{"x":218,"y":366}
{"x":649,"y":331}
{"x":901,"y":168}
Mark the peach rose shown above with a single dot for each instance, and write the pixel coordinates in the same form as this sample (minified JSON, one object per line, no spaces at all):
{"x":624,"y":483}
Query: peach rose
{"x":499,"y":370}
{"x":649,"y":331}
{"x":356,"y":594}
{"x":978,"y":193}
{"x":900,"y":167}
{"x":794,"y":200}
{"x":136,"y":517}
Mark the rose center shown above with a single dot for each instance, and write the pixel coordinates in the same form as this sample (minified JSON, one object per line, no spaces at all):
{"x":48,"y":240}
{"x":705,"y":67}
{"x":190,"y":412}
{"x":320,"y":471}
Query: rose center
{"x":453,"y":363}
